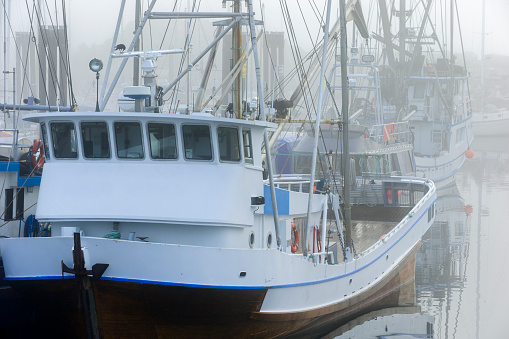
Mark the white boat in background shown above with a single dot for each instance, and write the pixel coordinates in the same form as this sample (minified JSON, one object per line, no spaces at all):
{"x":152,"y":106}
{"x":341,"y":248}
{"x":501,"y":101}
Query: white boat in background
{"x":164,"y":226}
{"x":423,"y":85}
{"x":489,"y":122}
{"x":495,"y":124}
{"x":21,"y":165}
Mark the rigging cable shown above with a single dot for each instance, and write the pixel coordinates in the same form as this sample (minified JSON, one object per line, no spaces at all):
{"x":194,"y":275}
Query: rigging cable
{"x":52,"y":63}
{"x":24,"y":64}
{"x":314,"y":50}
{"x":67,"y":62}
{"x":37,"y":49}
{"x":187,"y":43}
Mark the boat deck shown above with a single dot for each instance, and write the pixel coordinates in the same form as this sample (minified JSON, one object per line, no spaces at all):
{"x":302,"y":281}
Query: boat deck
{"x":379,"y":213}
{"x":369,"y":224}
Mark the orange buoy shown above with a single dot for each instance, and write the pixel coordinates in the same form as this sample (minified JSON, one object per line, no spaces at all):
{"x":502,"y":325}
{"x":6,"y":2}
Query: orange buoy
{"x":469,"y":153}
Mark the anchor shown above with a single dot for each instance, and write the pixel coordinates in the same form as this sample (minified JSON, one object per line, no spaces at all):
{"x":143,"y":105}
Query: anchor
{"x":79,"y":271}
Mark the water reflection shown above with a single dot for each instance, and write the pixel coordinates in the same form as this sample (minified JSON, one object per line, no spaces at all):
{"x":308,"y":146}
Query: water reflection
{"x":441,"y":262}
{"x":397,"y":322}
{"x":460,"y":274}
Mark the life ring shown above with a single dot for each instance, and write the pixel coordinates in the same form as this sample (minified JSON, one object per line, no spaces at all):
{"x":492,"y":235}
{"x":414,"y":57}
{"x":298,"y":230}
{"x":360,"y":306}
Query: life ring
{"x":38,"y":155}
{"x":295,"y":238}
{"x":316,"y":239}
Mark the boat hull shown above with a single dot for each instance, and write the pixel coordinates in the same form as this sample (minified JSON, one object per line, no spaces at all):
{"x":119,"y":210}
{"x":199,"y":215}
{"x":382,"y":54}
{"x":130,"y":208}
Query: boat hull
{"x":128,"y":309}
{"x":491,"y":124}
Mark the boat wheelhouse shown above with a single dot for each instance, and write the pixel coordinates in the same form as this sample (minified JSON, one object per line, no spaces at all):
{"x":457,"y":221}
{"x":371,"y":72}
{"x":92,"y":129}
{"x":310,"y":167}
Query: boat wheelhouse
{"x":179,"y":162}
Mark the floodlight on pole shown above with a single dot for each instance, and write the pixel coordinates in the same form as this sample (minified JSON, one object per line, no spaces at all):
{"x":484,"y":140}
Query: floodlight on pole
{"x":96,"y":65}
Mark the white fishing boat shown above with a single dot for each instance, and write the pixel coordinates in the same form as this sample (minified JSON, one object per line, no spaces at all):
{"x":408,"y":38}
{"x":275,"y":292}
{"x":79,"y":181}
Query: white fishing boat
{"x":494,"y":124}
{"x":164,"y":226}
{"x":21,"y":150}
{"x":489,"y":121}
{"x":20,"y":174}
{"x":423,"y":85}
{"x":375,"y":151}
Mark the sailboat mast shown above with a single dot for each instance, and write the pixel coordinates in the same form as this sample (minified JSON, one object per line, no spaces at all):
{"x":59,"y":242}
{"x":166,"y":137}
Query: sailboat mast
{"x":344,"y":108}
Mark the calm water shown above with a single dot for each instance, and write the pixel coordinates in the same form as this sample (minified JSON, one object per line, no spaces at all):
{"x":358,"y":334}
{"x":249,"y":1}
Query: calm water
{"x":467,"y":289}
{"x":462,"y":278}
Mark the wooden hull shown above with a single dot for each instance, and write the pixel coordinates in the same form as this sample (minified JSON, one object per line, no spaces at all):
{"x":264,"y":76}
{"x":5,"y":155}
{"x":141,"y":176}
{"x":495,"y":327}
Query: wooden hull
{"x":136,"y":310}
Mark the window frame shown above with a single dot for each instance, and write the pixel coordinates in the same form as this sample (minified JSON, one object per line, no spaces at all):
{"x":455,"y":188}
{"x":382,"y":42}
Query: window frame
{"x":109,"y":139}
{"x":212,"y":146}
{"x":141,"y":138}
{"x":53,"y":141}
{"x":177,"y":144}
{"x":238,"y":144}
{"x":45,"y":140}
{"x":250,"y":146}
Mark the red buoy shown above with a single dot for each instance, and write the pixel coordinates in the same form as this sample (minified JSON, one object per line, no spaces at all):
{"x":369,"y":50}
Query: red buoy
{"x":469,"y":153}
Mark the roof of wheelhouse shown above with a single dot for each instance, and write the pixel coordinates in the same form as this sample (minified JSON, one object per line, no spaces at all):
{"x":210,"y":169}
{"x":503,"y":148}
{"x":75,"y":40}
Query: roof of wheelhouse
{"x":196,"y":117}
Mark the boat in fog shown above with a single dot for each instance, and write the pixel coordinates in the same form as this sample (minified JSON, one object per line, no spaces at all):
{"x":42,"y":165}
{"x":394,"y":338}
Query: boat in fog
{"x":168,"y":224}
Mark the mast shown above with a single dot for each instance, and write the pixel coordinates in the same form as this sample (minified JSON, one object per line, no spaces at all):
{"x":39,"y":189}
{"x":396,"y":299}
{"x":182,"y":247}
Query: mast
{"x":206,"y":74}
{"x":237,"y":51}
{"x":262,"y":113}
{"x":136,"y":61}
{"x":345,"y":159}
{"x":482,"y":55}
{"x":451,"y":60}
{"x":317,"y":128}
{"x":452,"y":33}
{"x":402,"y":35}
{"x":5,"y":54}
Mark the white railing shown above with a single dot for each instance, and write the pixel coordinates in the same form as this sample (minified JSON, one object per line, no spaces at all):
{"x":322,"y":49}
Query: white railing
{"x":426,"y":199}
{"x":391,"y":133}
{"x":293,"y":183}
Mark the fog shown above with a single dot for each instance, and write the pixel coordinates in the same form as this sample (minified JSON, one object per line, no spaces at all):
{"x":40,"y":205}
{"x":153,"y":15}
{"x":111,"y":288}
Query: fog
{"x":91,"y":27}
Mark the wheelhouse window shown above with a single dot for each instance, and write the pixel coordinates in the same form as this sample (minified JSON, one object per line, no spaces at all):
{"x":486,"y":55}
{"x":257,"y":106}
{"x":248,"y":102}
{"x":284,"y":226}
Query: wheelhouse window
{"x":419,"y":90}
{"x":63,"y":135}
{"x":248,"y":149}
{"x":44,"y":135}
{"x":96,"y":142}
{"x":163,"y":142}
{"x":197,"y":143}
{"x":229,"y":149}
{"x":128,"y":140}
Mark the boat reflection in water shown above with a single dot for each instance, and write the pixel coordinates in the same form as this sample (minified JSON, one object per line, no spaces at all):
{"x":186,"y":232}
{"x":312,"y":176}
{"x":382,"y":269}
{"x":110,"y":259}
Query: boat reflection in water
{"x":400,"y":322}
{"x":442,"y":257}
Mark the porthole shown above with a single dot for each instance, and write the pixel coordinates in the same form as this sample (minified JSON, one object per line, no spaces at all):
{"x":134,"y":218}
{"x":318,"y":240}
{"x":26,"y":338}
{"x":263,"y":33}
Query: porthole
{"x":251,"y":239}
{"x":269,"y":240}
